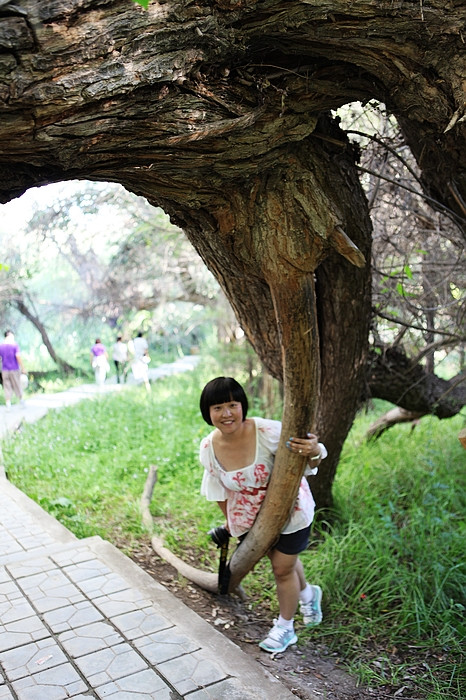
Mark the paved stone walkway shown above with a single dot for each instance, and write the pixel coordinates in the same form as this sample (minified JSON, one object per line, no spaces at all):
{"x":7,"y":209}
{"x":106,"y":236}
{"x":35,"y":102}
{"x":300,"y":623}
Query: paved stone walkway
{"x":79,"y":619}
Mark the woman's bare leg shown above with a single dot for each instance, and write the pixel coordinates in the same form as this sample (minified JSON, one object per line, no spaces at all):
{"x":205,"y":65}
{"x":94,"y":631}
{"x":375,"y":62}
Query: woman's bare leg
{"x":287,"y":575}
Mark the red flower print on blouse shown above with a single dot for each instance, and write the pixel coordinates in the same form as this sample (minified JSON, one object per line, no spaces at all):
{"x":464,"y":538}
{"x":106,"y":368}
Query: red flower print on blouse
{"x":239,"y":479}
{"x":261,"y":474}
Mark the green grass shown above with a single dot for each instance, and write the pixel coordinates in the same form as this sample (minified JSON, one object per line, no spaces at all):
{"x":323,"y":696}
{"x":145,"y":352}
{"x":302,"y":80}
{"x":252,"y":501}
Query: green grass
{"x":390,"y":562}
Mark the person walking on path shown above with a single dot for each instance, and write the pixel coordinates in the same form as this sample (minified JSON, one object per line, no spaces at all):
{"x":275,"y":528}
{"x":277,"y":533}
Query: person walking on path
{"x":238,"y":457}
{"x":12,"y":368}
{"x":120,"y":358}
{"x":99,"y":362}
{"x":140,"y":364}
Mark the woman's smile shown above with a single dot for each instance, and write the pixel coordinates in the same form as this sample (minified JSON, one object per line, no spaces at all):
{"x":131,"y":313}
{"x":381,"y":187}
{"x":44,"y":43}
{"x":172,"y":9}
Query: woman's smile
{"x":225,"y":415}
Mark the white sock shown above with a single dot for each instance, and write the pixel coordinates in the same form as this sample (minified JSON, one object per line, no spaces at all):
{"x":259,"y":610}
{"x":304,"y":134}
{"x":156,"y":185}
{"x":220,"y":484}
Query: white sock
{"x":287,"y":624}
{"x":306,"y":595}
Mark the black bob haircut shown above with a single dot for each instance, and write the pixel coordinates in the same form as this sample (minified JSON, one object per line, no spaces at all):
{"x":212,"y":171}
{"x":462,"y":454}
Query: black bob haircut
{"x":222,"y":390}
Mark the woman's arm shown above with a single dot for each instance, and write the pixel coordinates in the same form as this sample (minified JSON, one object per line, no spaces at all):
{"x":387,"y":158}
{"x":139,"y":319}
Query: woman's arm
{"x":223,"y":507}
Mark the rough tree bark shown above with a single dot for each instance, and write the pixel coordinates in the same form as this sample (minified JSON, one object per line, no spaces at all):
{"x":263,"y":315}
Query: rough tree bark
{"x":219,"y":112}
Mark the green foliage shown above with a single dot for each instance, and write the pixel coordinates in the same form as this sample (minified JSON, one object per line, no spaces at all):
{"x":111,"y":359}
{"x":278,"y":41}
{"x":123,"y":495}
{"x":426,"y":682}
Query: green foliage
{"x":390,"y":562}
{"x":118,"y":262}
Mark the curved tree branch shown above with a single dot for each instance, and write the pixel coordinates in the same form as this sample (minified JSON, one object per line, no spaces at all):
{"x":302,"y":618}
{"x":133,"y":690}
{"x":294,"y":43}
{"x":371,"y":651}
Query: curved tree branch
{"x":205,"y":579}
{"x":25,"y":311}
{"x":394,"y":377}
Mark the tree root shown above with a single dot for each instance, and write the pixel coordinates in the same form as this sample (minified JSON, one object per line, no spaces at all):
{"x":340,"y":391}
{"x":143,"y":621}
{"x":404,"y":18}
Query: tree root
{"x":204,"y":579}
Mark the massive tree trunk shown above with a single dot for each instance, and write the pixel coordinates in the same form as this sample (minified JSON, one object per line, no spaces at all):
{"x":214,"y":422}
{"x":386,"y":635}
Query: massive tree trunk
{"x":219,"y":112}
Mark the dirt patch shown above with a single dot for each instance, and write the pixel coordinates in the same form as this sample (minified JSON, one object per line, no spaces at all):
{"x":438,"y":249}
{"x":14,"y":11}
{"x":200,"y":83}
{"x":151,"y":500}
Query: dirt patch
{"x":309,"y":670}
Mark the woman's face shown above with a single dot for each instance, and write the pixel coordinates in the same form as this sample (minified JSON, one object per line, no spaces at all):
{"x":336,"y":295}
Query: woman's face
{"x":227,"y":417}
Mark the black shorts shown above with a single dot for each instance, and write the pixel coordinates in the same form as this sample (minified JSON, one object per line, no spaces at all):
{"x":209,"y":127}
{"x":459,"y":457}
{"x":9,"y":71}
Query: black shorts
{"x":294,"y":543}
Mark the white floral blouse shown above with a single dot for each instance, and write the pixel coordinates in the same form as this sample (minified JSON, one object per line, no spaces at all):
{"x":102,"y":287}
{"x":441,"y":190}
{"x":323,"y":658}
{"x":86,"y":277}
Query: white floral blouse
{"x":244,"y":489}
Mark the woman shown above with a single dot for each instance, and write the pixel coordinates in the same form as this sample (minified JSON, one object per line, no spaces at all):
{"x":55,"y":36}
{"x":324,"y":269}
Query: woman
{"x":139,"y":347}
{"x":238,"y":457}
{"x":99,"y":361}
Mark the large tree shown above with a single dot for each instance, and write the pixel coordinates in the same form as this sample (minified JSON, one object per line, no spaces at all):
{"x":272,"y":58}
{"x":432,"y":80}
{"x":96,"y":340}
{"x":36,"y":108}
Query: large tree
{"x":220,"y":112}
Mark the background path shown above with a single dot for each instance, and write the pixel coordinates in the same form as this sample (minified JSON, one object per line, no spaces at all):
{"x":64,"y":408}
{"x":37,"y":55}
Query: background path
{"x":37,"y":406}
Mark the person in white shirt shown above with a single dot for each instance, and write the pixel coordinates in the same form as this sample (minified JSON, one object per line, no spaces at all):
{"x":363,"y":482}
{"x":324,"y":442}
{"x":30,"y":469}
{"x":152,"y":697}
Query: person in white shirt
{"x":139,"y":366}
{"x":120,"y":358}
{"x":238,"y":457}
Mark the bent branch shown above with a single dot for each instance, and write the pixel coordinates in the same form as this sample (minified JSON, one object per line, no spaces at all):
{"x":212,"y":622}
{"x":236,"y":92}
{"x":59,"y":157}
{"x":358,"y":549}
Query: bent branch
{"x":395,"y":378}
{"x":25,"y":311}
{"x":206,"y":580}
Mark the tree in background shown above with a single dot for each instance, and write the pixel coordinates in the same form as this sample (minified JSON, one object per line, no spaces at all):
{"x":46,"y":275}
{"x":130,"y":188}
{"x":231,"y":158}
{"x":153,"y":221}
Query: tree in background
{"x":417,"y":329}
{"x":100,"y":256}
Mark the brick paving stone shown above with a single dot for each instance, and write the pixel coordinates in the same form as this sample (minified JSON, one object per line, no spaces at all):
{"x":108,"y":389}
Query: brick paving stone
{"x":31,"y":658}
{"x":9,"y":592}
{"x":145,"y":685}
{"x":165,"y":645}
{"x":110,"y":664}
{"x":72,"y":616}
{"x":5,"y":693}
{"x":102,"y":585}
{"x":36,"y":541}
{"x":191,"y":672}
{"x":43,"y":582}
{"x":121,"y":602}
{"x":84,"y":640}
{"x":231,"y":688}
{"x":59,"y":683}
{"x":140,"y":622}
{"x":57,"y":597}
{"x":8,"y":546}
{"x":76,"y":555}
{"x":32,"y":567}
{"x":86,"y":569}
{"x":20,"y":632}
{"x":14,"y":607}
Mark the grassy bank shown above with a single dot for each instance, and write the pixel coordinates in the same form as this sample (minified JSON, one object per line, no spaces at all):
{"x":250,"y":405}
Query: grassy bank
{"x":389,"y":562}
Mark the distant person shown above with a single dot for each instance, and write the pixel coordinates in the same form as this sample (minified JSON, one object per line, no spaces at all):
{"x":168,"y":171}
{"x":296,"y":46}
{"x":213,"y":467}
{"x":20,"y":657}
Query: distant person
{"x":120,"y":358}
{"x":139,"y":366}
{"x":99,"y":361}
{"x":12,"y":368}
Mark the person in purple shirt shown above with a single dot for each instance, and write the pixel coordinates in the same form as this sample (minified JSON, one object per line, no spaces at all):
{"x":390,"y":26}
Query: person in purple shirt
{"x":12,"y":367}
{"x":99,"y":361}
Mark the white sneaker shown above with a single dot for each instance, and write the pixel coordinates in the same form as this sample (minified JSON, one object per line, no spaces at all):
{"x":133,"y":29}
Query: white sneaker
{"x":311,"y":612}
{"x":278,"y":639}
